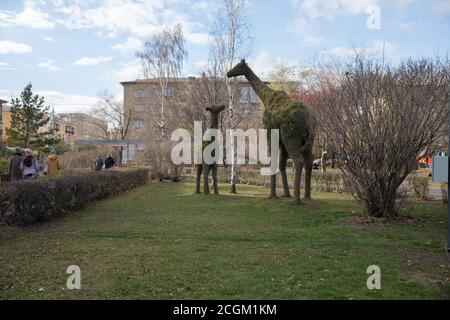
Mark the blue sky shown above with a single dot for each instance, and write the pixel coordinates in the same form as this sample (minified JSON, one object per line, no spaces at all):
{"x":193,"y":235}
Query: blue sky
{"x":72,"y":49}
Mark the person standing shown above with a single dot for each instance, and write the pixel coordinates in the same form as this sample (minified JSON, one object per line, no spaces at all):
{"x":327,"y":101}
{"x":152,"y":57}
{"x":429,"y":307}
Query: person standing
{"x":53,"y":164}
{"x":15,"y":173}
{"x":109,"y":161}
{"x":29,"y":166}
{"x":98,"y":163}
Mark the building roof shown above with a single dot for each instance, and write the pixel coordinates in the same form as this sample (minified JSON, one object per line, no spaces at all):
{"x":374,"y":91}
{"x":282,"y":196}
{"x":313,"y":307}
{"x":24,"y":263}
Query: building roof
{"x":185,"y":79}
{"x":2,"y":101}
{"x":178,"y":80}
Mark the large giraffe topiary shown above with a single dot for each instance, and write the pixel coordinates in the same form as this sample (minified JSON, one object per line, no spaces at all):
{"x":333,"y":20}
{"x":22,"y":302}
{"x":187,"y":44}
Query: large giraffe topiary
{"x":206,"y":168}
{"x":295,"y":123}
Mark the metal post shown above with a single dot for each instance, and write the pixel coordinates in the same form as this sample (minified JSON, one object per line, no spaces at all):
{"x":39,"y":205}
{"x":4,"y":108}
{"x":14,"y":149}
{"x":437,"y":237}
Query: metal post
{"x":448,"y":172}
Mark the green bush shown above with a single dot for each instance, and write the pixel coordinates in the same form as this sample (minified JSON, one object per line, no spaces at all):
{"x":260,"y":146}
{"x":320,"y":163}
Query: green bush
{"x":28,"y":202}
{"x":4,"y":165}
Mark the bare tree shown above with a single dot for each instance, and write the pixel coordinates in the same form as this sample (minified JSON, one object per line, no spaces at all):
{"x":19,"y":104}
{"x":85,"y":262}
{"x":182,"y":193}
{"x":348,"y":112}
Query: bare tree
{"x":163,"y":59}
{"x":231,"y":41}
{"x":380,"y":118}
{"x":117,"y":119}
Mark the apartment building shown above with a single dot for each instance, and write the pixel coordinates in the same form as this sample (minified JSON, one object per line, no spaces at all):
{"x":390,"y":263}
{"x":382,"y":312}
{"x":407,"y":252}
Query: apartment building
{"x":71,"y":127}
{"x":142,"y":98}
{"x":1,"y":121}
{"x":67,"y":126}
{"x":5,"y":120}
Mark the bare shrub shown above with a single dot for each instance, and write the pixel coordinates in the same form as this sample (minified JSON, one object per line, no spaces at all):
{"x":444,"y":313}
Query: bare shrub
{"x":158,"y":155}
{"x":76,"y":160}
{"x":420,"y":186}
{"x":444,"y":192}
{"x":380,"y":117}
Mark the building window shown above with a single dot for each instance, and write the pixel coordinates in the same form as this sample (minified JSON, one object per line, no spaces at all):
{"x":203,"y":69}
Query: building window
{"x":55,"y":126}
{"x":248,"y":95}
{"x":138,"y":123}
{"x":70,"y":130}
{"x":153,"y":93}
{"x":139,"y":93}
{"x":168,"y":92}
{"x":139,"y":108}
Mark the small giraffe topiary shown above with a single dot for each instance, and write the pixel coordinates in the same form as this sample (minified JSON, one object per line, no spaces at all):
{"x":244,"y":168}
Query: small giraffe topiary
{"x":295,"y":123}
{"x":206,"y":168}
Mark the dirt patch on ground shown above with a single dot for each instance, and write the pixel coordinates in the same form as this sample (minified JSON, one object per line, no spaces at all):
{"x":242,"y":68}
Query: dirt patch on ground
{"x":430,"y":258}
{"x":434,"y":260}
{"x":378,"y":224}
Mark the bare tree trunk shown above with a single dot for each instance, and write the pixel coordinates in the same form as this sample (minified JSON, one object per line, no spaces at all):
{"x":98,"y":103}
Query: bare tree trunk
{"x":233,"y":178}
{"x":121,"y":155}
{"x":381,"y":202}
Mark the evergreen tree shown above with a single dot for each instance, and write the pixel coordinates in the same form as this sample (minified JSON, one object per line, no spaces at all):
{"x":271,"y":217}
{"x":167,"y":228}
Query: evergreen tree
{"x":28,"y":114}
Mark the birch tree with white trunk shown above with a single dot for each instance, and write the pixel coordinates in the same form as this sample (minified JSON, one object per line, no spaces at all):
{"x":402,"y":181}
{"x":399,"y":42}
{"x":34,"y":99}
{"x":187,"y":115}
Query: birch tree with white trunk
{"x":162,"y":59}
{"x":231,"y":42}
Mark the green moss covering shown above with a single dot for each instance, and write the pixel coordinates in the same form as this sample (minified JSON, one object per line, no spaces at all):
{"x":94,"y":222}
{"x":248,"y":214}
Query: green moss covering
{"x":278,"y":113}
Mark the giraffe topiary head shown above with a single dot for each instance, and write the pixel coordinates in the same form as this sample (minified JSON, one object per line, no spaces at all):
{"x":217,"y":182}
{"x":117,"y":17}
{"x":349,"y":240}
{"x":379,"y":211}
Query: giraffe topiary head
{"x":238,"y":70}
{"x":215,"y":109}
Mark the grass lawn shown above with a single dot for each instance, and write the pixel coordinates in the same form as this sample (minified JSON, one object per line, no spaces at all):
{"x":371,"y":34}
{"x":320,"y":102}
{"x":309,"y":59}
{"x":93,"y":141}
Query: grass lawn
{"x":161,"y":241}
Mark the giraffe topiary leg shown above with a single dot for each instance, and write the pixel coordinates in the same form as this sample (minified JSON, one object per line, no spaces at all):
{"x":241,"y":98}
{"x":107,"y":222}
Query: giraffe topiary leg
{"x":199,"y":169}
{"x":297,"y":178}
{"x":206,"y":169}
{"x":214,"y":176}
{"x":308,"y":160}
{"x":283,"y":163}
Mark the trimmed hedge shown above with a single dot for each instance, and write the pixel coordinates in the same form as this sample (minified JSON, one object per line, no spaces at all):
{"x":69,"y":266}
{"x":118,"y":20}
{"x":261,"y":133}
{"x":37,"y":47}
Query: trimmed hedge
{"x":27,"y":202}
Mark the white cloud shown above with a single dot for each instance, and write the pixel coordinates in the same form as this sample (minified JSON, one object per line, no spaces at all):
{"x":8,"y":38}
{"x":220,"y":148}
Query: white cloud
{"x":63,"y":102}
{"x":7,"y":46}
{"x":130,"y":46}
{"x":265,"y":61}
{"x":127,"y":71}
{"x":304,"y":29}
{"x":442,"y":6}
{"x":330,"y":8}
{"x":402,"y":4}
{"x":309,"y":12}
{"x":6,"y":66}
{"x":139,"y":19}
{"x":208,"y":8}
{"x":109,"y":18}
{"x":407,"y":25}
{"x":49,"y":65}
{"x":92,"y":61}
{"x":48,"y":39}
{"x":198,"y":38}
{"x":31,"y":16}
{"x":374,"y":48}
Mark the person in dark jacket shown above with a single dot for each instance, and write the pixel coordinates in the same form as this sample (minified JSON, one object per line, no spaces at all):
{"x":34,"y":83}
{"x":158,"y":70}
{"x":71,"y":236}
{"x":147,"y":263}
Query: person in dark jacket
{"x":98,"y":163}
{"x":109,"y":161}
{"x":29,"y":166}
{"x":15,"y":172}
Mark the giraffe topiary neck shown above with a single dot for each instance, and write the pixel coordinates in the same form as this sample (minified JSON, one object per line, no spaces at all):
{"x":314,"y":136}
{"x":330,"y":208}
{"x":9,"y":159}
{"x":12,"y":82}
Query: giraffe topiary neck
{"x":214,"y":121}
{"x":261,"y":88}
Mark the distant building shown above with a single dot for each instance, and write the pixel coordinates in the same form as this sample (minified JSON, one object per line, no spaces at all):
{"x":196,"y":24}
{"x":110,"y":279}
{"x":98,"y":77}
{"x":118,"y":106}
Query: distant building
{"x":67,"y":126}
{"x":142,"y":98}
{"x":5,"y":121}
{"x":76,"y":126}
